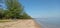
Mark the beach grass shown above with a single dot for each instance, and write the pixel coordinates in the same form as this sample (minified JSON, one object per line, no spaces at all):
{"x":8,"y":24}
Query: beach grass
{"x":3,"y":21}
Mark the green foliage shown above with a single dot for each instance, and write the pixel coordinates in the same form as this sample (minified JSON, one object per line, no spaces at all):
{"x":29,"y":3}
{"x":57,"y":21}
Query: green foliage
{"x":14,"y":7}
{"x":26,"y":16}
{"x":14,"y":10}
{"x":1,"y":13}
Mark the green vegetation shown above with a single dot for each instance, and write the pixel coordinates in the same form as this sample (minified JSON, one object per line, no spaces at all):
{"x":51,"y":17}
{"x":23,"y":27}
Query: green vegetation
{"x":14,"y":10}
{"x":3,"y":21}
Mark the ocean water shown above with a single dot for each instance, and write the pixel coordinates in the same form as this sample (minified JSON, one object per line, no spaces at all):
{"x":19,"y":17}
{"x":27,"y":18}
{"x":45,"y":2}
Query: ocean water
{"x":48,"y":22}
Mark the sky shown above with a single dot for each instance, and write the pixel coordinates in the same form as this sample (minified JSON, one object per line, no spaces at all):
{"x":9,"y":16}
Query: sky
{"x":42,"y":8}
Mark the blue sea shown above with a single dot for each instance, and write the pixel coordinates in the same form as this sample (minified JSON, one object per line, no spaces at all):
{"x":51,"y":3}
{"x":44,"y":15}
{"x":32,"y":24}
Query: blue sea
{"x":48,"y":22}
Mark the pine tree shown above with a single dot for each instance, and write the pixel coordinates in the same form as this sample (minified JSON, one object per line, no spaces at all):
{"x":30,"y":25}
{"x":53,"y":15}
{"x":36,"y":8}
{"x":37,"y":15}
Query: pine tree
{"x":1,"y":13}
{"x":14,"y":8}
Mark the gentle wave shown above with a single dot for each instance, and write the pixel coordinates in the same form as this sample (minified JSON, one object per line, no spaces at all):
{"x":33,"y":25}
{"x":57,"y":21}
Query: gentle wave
{"x":49,"y":23}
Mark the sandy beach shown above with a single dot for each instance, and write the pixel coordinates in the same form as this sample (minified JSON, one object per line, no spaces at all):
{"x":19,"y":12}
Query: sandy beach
{"x":20,"y":24}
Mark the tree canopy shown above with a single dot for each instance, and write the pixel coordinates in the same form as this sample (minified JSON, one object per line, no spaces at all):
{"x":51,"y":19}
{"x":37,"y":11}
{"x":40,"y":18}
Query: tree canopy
{"x":14,"y":10}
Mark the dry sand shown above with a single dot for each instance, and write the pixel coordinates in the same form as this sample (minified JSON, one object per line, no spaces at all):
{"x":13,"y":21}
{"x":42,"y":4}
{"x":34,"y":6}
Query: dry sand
{"x":20,"y":24}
